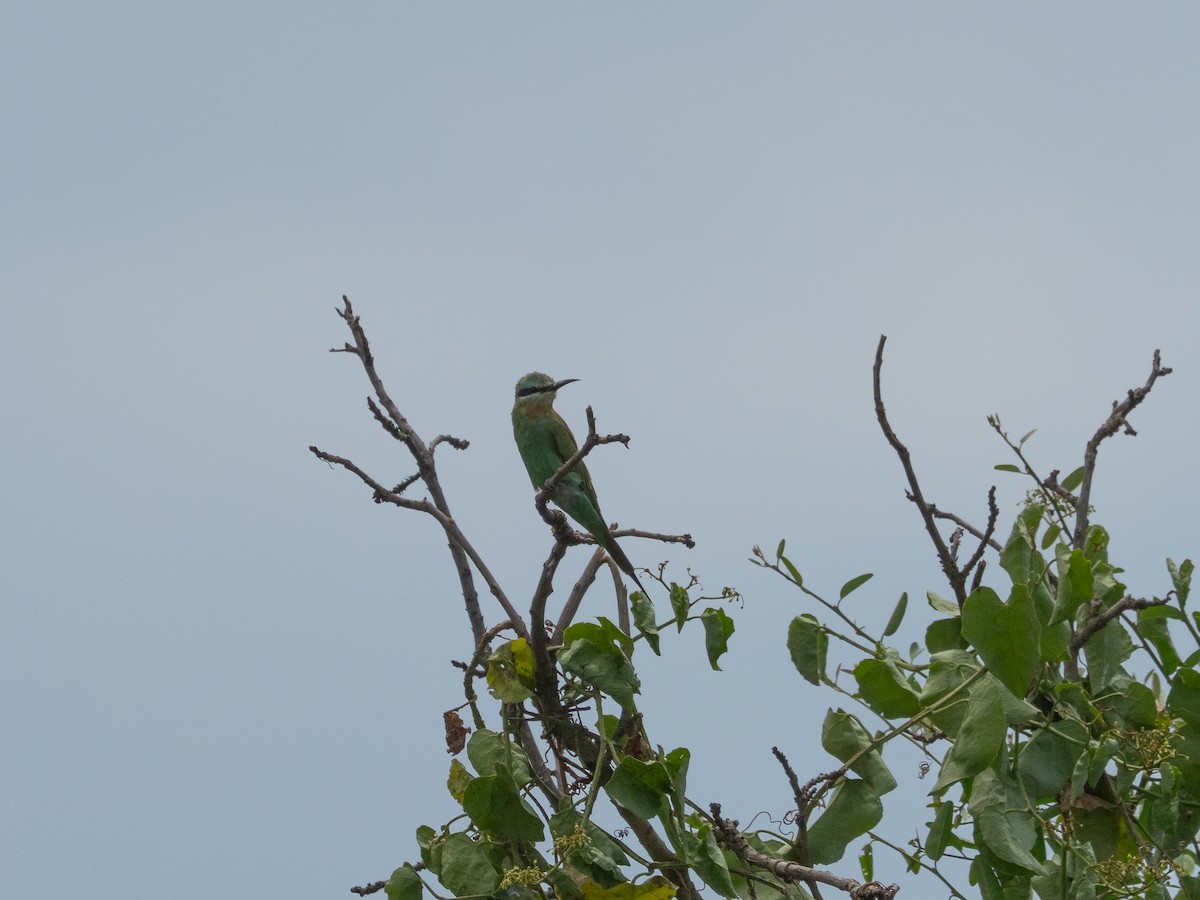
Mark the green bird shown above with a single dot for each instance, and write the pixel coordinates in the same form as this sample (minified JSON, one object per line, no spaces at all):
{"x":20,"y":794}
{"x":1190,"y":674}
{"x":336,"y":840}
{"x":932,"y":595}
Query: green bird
{"x":545,"y":443}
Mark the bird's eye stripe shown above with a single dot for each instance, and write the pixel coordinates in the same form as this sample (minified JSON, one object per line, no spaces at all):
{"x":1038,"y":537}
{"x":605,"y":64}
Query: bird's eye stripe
{"x":525,"y":392}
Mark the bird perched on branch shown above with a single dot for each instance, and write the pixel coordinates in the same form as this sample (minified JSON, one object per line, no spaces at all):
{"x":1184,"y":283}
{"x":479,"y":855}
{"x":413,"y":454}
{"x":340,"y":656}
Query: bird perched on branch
{"x":545,"y":443}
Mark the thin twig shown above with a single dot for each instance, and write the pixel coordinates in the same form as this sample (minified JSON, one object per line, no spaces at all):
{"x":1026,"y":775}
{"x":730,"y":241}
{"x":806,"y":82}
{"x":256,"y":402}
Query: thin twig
{"x":1118,"y":419}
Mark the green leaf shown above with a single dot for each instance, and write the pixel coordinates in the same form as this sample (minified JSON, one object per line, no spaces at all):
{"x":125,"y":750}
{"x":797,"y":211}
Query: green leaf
{"x":980,"y":737}
{"x":897,"y":616}
{"x":944,"y":634}
{"x":1152,"y":625}
{"x":487,"y":750}
{"x":885,"y":690}
{"x":854,"y":810}
{"x":854,"y":584}
{"x":466,"y":868}
{"x":941,"y":831}
{"x":640,"y":786}
{"x":1181,"y":579}
{"x":1006,"y":635}
{"x":704,"y":857}
{"x":1006,"y":467}
{"x":1047,"y":761}
{"x":1026,"y":436}
{"x":792,"y":570}
{"x":1051,"y":534}
{"x":494,"y":804}
{"x":1004,"y":825}
{"x":808,"y":645}
{"x":942,"y":605}
{"x":866,"y":862}
{"x":717,"y":629}
{"x":656,"y":888}
{"x":510,"y":672}
{"x":948,"y":669}
{"x":1019,"y":558}
{"x":1074,"y":480}
{"x":601,"y":858}
{"x":844,"y":738}
{"x":598,"y":656}
{"x":681,"y":604}
{"x":405,"y":884}
{"x":643,"y":618}
{"x":779,"y":549}
{"x":1074,"y":584}
{"x":1104,"y":652}
{"x":1184,"y":699}
{"x":458,"y":780}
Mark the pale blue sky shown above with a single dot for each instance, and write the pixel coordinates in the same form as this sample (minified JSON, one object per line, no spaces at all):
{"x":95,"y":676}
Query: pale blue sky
{"x":223,"y":668}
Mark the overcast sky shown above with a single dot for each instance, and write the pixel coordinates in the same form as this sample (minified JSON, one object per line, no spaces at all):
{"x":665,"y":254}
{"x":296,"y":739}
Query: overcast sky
{"x":223,"y":668}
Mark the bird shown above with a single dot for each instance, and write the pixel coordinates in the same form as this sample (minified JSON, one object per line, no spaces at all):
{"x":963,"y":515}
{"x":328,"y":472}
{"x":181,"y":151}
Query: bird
{"x":545,"y":442}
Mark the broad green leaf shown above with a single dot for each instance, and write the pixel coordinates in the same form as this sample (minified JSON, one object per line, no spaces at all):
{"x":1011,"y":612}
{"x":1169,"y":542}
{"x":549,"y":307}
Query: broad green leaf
{"x":677,"y":763}
{"x":1152,"y":625}
{"x":1047,"y":761}
{"x":1104,"y":652}
{"x":640,"y":786}
{"x":681,"y":604}
{"x":717,"y":629}
{"x":808,"y":645}
{"x":1074,"y":584}
{"x":854,"y":810}
{"x":1005,"y":635}
{"x":458,"y":780}
{"x":980,"y":737}
{"x":510,"y":672}
{"x":487,"y":749}
{"x":602,"y":664}
{"x":643,"y":618}
{"x":942,"y":605}
{"x":466,"y":868}
{"x":1006,"y":467}
{"x":897,"y":616}
{"x":941,"y":830}
{"x":656,"y":888}
{"x":1181,"y":579}
{"x":704,"y":857}
{"x":947,"y":671}
{"x":854,"y":584}
{"x":1184,"y":699}
{"x":494,"y":804}
{"x":1004,"y":825}
{"x":405,"y":884}
{"x":944,"y":634}
{"x":1129,"y":704}
{"x":601,"y":858}
{"x":885,"y":690}
{"x":425,"y":839}
{"x":844,"y":738}
{"x":1019,"y":558}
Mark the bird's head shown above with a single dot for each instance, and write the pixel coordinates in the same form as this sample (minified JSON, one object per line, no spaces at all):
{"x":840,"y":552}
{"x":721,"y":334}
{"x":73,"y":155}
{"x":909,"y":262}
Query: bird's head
{"x":537,"y":387}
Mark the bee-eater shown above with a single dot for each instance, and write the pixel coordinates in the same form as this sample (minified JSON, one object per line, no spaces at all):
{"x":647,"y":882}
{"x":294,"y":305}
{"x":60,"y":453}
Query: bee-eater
{"x":545,"y":443}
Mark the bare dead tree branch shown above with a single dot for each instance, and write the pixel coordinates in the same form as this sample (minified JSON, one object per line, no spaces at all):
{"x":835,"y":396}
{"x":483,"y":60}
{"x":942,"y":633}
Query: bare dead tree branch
{"x":453,"y":532}
{"x":398,"y":426}
{"x":785,"y":870}
{"x":954,"y":575}
{"x":1117,"y":420}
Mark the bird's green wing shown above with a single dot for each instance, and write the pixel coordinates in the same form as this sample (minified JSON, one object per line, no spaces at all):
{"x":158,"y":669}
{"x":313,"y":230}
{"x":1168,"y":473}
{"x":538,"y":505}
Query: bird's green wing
{"x":564,"y":444}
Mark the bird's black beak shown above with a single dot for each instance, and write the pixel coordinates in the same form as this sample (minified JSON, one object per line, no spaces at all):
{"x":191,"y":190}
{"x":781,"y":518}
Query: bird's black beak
{"x":559,"y":384}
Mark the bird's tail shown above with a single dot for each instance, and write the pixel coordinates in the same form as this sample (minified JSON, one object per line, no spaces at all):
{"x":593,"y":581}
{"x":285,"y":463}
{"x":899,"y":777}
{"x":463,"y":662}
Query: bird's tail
{"x":614,"y":550}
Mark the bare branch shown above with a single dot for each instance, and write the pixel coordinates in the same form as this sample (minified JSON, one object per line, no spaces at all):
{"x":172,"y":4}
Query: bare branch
{"x":1116,"y":421}
{"x":458,"y":540}
{"x":388,"y":414}
{"x":956,"y":577}
{"x":790,"y":872}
